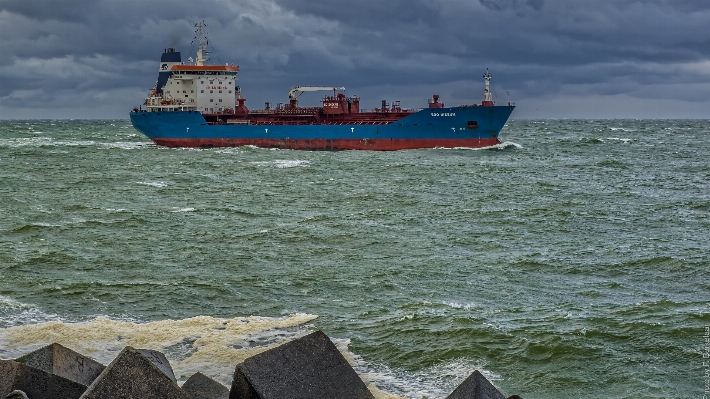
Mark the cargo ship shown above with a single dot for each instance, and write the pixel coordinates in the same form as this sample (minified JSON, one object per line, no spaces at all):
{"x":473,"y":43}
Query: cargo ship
{"x":198,"y":105}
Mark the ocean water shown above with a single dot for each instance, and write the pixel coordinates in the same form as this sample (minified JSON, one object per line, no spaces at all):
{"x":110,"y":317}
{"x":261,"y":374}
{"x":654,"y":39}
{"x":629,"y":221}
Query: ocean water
{"x":570,"y":262}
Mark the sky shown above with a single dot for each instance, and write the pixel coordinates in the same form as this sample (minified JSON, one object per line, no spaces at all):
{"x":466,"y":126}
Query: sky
{"x":97,"y":59}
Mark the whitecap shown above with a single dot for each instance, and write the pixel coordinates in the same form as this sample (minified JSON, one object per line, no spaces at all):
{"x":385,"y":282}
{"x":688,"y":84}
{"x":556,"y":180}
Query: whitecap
{"x":499,"y":146}
{"x":432,"y":382}
{"x":153,"y":183}
{"x":283,"y":163}
{"x":623,"y":140}
{"x":74,"y":143}
{"x":43,"y":224}
{"x":126,"y":145}
{"x":175,"y":209}
{"x":15,"y":313}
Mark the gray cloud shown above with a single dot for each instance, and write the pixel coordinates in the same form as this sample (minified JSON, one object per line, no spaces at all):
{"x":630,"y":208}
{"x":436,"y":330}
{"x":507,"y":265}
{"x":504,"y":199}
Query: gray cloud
{"x":98,"y":58}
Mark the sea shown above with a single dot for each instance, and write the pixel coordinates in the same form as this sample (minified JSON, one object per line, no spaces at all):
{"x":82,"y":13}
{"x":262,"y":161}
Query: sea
{"x":570,"y":261}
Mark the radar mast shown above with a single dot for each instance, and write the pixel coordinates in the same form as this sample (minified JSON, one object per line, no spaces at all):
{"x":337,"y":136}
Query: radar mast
{"x":487,"y":96}
{"x":487,"y":92}
{"x":202,"y":42}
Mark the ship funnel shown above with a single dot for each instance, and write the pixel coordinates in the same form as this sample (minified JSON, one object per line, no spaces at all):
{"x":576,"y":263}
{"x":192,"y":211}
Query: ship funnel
{"x":169,"y":58}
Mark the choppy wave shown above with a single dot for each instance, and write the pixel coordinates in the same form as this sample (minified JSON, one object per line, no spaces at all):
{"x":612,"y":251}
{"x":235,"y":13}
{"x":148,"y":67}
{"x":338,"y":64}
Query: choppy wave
{"x":178,"y":210}
{"x":430,"y":382}
{"x":50,"y":142}
{"x":158,"y":184}
{"x":577,"y":264}
{"x":15,"y":313}
{"x":500,"y":146}
{"x":127,"y":145}
{"x":284,"y":163}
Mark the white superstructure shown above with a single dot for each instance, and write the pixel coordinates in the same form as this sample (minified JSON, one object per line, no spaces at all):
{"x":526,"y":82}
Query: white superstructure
{"x":194,"y":86}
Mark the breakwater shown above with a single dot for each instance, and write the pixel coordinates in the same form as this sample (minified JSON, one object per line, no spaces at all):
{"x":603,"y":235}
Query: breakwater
{"x":307,"y":367}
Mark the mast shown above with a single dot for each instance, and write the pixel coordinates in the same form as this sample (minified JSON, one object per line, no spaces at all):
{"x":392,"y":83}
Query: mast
{"x":487,"y":96}
{"x":487,"y":93}
{"x":202,"y":42}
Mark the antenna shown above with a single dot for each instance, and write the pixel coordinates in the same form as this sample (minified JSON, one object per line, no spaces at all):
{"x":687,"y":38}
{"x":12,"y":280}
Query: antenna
{"x":202,"y":42}
{"x":487,"y":92}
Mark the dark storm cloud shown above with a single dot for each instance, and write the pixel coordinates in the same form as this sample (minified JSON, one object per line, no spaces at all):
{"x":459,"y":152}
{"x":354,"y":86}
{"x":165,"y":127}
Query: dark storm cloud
{"x":511,"y":4}
{"x":99,"y":58}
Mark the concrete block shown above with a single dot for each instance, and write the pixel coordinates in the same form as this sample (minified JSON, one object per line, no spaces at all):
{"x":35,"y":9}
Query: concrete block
{"x":306,"y":368}
{"x":35,"y":383}
{"x":200,"y":386}
{"x":160,"y":361}
{"x":136,"y":374}
{"x":64,"y":362}
{"x":476,"y":386}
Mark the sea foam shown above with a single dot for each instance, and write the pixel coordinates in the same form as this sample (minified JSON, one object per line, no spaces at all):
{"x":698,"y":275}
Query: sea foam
{"x":211,"y":345}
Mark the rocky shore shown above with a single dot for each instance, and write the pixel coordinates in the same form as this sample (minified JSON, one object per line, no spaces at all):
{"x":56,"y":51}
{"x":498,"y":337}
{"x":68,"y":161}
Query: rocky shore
{"x":305,"y":368}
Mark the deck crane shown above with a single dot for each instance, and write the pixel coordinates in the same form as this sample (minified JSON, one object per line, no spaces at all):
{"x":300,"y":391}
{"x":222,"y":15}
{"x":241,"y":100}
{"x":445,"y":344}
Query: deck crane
{"x":298,"y":90}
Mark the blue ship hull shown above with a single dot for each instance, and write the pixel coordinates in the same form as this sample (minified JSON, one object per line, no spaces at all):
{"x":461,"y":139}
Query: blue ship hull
{"x":468,"y":126}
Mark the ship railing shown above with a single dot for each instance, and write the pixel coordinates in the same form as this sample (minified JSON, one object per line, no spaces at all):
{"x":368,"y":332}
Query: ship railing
{"x":509,"y":104}
{"x":313,"y":110}
{"x":360,"y":122}
{"x":390,"y":111}
{"x":286,"y":111}
{"x":172,"y":107}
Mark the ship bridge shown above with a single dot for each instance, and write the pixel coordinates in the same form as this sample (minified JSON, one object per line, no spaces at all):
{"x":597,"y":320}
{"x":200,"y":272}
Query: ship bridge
{"x":204,"y":69}
{"x":208,"y":88}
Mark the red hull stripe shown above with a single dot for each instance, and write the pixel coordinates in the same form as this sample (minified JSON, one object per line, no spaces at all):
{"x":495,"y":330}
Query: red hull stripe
{"x":335,"y":144}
